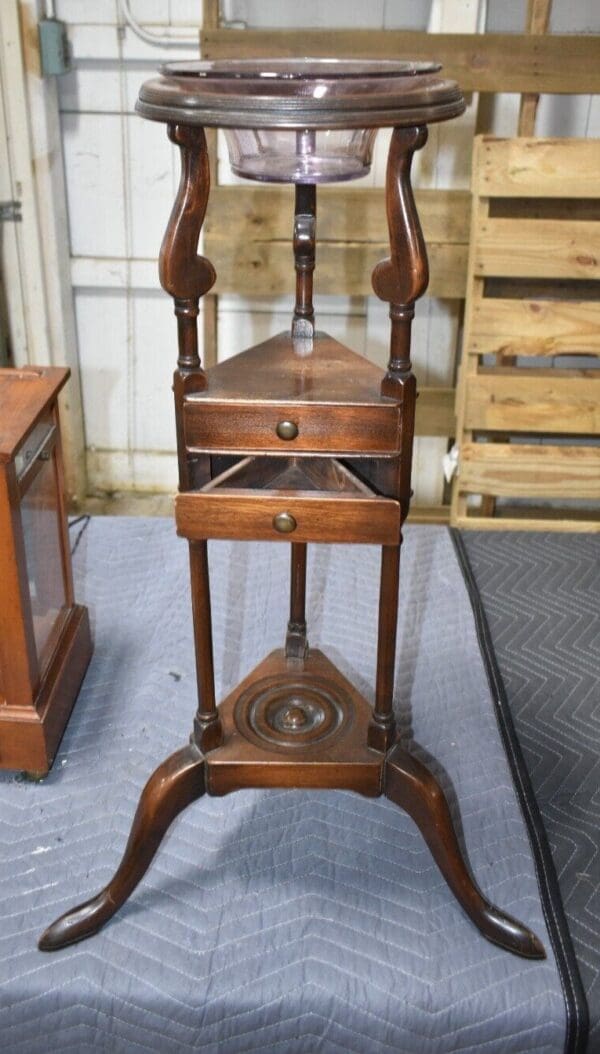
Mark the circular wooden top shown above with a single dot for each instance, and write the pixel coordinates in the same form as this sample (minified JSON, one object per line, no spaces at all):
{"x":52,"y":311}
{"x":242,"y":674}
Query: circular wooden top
{"x":300,"y":93}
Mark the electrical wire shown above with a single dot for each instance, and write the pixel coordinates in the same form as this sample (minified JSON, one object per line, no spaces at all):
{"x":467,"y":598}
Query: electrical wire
{"x":168,"y":38}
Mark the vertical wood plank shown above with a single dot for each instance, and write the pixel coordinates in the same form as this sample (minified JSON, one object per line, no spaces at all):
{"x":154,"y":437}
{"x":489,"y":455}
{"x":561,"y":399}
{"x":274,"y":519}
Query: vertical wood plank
{"x":538,"y":17}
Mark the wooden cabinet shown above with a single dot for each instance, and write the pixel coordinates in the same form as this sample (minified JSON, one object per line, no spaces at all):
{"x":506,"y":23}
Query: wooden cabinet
{"x":45,"y":642}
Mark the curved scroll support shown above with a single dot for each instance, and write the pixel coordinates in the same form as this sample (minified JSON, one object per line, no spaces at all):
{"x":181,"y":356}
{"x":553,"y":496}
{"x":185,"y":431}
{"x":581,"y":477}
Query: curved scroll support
{"x":187,"y":276}
{"x":183,"y":273}
{"x":409,"y":784}
{"x":175,"y":784}
{"x":403,"y":277}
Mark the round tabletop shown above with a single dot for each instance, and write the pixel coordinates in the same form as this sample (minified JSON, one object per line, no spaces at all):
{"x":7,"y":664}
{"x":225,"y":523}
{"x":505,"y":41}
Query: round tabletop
{"x":300,"y":94}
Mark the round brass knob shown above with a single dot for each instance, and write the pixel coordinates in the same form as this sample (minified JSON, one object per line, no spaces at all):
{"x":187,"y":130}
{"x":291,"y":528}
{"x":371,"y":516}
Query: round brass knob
{"x":284,"y":522}
{"x":287,"y":430}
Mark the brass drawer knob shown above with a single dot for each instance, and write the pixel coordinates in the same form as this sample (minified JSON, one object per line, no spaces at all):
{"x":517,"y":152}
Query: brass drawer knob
{"x":287,"y":430}
{"x":284,"y":522}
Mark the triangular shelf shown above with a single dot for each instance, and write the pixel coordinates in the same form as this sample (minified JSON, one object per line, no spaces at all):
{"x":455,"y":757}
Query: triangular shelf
{"x":281,"y":370}
{"x":328,"y":750}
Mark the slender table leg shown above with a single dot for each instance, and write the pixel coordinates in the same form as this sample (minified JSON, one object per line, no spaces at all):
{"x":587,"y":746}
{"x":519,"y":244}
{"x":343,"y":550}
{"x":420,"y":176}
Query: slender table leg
{"x":296,"y":644}
{"x":174,"y":785}
{"x":409,"y":784}
{"x":382,"y":729}
{"x":208,"y":732}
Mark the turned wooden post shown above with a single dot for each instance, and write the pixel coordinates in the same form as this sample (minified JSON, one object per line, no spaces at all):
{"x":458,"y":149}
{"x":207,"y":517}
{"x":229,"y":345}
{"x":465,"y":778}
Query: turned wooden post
{"x":187,"y":276}
{"x":303,"y":328}
{"x":399,"y":280}
{"x":305,"y":222}
{"x":296,"y":644}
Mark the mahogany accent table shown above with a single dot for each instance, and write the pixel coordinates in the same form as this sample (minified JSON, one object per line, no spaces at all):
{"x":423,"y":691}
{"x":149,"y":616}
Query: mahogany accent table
{"x":300,"y":440}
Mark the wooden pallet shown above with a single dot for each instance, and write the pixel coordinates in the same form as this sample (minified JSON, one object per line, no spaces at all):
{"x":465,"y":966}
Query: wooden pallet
{"x":351,"y":219}
{"x":533,"y":292}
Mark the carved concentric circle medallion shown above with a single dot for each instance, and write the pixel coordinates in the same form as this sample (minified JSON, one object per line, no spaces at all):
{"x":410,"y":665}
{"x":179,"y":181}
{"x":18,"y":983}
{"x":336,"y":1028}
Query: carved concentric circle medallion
{"x":291,"y":712}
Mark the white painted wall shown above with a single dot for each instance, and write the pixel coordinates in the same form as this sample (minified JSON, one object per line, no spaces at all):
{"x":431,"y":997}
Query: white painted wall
{"x":121,"y":177}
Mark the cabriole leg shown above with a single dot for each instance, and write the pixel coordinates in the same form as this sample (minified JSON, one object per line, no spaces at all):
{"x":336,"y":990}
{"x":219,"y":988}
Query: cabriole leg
{"x":409,"y":784}
{"x":174,"y":785}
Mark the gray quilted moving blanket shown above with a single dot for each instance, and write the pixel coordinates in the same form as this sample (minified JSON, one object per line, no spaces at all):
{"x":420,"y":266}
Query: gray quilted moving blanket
{"x":271,"y":921}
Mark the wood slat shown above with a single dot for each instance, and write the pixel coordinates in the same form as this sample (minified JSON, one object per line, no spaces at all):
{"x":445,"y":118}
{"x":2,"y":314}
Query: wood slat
{"x":355,"y":214}
{"x":560,"y":401}
{"x":539,"y":168}
{"x":534,"y":327}
{"x":522,"y":248}
{"x":352,"y":238}
{"x":529,"y":519}
{"x":488,"y":62}
{"x":264,"y":268}
{"x":429,"y":514}
{"x":434,"y":414}
{"x":528,"y":471}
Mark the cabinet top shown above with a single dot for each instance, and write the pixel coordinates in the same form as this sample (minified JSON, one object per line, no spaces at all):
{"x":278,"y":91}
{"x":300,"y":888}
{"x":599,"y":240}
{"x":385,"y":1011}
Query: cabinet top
{"x":25,"y":394}
{"x":300,"y":94}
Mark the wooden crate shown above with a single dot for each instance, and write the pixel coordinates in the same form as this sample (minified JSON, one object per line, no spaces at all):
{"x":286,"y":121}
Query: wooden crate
{"x":525,"y":430}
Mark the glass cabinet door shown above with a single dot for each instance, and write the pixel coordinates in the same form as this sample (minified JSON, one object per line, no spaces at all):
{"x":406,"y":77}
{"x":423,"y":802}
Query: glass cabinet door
{"x":42,"y":534}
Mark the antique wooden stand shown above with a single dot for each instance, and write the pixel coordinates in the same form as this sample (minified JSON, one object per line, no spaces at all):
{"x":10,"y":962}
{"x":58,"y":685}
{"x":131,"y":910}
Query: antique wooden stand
{"x":301,"y":440}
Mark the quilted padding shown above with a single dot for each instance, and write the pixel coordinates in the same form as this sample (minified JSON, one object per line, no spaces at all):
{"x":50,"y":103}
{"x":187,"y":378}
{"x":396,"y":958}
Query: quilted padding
{"x":282,"y":922}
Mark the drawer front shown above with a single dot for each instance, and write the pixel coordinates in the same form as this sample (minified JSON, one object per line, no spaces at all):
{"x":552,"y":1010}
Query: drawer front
{"x":273,"y":517}
{"x":291,"y":427}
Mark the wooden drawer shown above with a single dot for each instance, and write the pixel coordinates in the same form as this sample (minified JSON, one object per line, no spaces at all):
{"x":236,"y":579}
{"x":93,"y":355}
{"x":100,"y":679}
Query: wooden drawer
{"x":303,"y":500}
{"x":243,"y":427}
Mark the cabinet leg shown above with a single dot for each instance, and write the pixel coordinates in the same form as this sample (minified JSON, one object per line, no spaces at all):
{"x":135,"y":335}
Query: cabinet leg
{"x":409,"y":784}
{"x":174,"y":785}
{"x":296,"y":644}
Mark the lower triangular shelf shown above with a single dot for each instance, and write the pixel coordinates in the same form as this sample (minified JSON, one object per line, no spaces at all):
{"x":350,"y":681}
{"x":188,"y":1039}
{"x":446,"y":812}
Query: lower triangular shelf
{"x":295,"y":723}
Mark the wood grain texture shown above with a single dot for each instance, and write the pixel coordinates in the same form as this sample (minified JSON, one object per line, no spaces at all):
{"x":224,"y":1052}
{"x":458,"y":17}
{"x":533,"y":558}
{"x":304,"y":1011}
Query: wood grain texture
{"x":531,"y":518}
{"x":277,"y":370}
{"x":521,"y":248}
{"x":534,"y":327}
{"x":538,"y":168}
{"x":530,"y":471}
{"x":486,"y":62}
{"x":262,"y":268}
{"x":246,"y":515}
{"x":25,"y":396}
{"x":346,"y":214}
{"x":342,"y":761}
{"x":563,"y":401}
{"x":559,"y":177}
{"x":235,"y":426}
{"x":536,"y":23}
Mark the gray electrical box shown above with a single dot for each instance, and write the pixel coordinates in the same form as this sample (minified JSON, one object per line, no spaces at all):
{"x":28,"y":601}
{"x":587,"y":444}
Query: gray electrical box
{"x":55,"y":53}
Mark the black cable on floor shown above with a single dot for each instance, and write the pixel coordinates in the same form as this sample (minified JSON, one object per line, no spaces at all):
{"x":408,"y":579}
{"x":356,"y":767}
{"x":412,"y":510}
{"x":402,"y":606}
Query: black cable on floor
{"x":84,"y":520}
